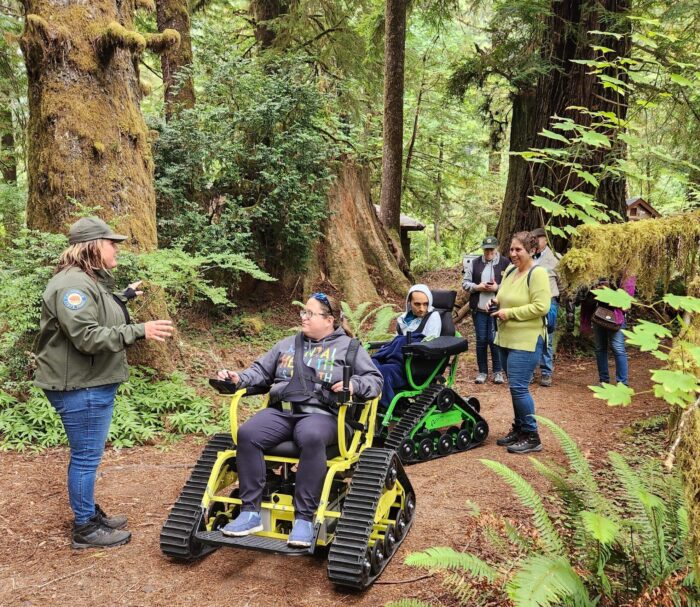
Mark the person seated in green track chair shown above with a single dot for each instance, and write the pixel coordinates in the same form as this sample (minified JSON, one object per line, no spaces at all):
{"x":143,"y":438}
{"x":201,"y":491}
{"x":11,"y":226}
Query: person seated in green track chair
{"x":305,"y":371}
{"x":422,"y":417}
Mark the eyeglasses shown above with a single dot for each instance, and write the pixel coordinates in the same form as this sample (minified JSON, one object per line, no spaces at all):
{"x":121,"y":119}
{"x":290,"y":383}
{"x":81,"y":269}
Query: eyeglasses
{"x":309,"y":314}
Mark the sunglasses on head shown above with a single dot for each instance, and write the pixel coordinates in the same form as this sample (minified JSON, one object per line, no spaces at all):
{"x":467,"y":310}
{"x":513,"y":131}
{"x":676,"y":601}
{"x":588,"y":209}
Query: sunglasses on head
{"x":323,"y":298}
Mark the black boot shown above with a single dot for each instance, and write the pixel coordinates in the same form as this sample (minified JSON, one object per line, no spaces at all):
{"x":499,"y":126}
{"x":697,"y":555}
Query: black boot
{"x":113,"y":522}
{"x":528,"y":442}
{"x":510,"y":438}
{"x":94,"y":534}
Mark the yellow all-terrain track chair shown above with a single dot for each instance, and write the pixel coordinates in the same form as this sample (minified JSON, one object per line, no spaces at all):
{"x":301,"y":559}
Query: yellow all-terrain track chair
{"x":366,"y":508}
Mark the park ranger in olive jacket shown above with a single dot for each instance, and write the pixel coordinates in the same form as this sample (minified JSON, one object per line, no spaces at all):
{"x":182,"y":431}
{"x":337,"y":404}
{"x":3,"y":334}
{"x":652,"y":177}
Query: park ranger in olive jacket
{"x":84,"y":332}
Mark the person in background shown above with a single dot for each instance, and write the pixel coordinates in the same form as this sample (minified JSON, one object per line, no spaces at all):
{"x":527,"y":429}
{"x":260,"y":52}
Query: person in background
{"x":482,"y":277}
{"x":613,"y":337}
{"x":81,"y":360}
{"x":520,"y":306}
{"x":549,"y":260}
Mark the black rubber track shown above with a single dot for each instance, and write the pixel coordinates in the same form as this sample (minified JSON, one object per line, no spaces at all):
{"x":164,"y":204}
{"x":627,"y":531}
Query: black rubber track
{"x":347,"y":557}
{"x":413,"y":415}
{"x":177,"y":536}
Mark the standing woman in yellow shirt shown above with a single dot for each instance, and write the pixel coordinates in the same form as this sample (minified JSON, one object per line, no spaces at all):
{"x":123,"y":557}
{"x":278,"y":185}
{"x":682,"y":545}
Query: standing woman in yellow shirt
{"x":522,"y":302}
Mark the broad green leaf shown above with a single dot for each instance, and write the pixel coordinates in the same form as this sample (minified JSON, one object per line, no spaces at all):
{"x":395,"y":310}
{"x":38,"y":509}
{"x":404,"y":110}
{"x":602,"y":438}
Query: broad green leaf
{"x":647,"y":335}
{"x":600,"y":527}
{"x":615,"y":35}
{"x":618,"y":394}
{"x":673,"y":381}
{"x":678,"y":398}
{"x":595,"y":139}
{"x":602,"y":49}
{"x":588,"y":178}
{"x":549,"y":206}
{"x":682,"y":302}
{"x":618,"y":298}
{"x":585,"y":201}
{"x":556,"y":231}
{"x":555,"y":136}
{"x":681,"y":80}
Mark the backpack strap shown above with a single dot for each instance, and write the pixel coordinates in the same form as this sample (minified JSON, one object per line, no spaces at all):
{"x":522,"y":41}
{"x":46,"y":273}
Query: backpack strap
{"x":424,"y":322}
{"x":351,"y":354}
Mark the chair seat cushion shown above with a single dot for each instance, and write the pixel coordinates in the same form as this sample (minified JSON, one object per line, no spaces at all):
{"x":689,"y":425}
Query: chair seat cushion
{"x":437,"y":348}
{"x":290,"y":449}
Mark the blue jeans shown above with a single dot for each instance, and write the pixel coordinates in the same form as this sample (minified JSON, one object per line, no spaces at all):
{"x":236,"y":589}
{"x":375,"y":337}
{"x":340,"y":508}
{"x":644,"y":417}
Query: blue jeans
{"x":485,"y":330}
{"x":520,"y":365}
{"x":547,"y":360}
{"x":616,"y":339}
{"x":86,"y":415}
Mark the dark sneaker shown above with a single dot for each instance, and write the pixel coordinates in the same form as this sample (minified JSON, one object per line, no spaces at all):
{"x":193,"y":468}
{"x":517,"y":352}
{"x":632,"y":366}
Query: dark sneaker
{"x":302,"y":534}
{"x":510,"y":438}
{"x":244,"y":524}
{"x":94,"y":534}
{"x":529,"y":442}
{"x":113,"y":522}
{"x":546,"y":381}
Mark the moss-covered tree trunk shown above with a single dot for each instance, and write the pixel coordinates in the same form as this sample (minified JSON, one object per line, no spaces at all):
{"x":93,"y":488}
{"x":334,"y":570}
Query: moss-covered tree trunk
{"x":177,"y":82}
{"x":87,"y":142}
{"x":354,"y":257}
{"x":567,"y":84}
{"x":8,"y":158}
{"x":264,"y":13}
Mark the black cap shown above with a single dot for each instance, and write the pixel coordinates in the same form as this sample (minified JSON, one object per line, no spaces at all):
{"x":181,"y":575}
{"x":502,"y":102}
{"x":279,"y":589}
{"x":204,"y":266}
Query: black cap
{"x":92,"y":228}
{"x":489,"y":242}
{"x":537,"y":232}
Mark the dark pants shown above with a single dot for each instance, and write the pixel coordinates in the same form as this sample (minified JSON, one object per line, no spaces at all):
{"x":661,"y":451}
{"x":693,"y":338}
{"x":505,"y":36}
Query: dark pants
{"x":312,"y":432}
{"x":485,"y":330}
{"x":86,"y":415}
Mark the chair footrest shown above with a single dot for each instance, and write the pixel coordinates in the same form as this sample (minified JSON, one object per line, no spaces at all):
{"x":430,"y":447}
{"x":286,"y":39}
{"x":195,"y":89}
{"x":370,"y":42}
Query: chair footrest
{"x":251,"y":542}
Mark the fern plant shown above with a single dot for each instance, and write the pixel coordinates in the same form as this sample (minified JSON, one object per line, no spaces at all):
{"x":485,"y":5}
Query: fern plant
{"x":369,"y":323}
{"x":600,"y":550}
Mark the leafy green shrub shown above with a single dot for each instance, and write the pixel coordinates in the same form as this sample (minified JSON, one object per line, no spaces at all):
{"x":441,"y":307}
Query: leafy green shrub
{"x":145,"y":410}
{"x":600,"y":551}
{"x":248,"y":169}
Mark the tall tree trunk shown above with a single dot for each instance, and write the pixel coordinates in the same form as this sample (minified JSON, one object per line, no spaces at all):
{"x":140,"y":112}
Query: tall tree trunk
{"x":392,"y":153}
{"x":8,"y":158}
{"x":438,"y":195}
{"x":178,"y":85}
{"x":265,"y":11}
{"x":360,"y":265}
{"x":414,"y":132}
{"x":567,"y":84}
{"x":87,"y":141}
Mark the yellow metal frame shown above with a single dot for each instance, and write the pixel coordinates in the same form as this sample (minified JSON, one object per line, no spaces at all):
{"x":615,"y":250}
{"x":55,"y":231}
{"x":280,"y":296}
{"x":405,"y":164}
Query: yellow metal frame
{"x":281,"y":504}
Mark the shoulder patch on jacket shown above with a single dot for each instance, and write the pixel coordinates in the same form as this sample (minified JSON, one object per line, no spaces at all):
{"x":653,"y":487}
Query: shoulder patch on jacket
{"x":74,"y":299}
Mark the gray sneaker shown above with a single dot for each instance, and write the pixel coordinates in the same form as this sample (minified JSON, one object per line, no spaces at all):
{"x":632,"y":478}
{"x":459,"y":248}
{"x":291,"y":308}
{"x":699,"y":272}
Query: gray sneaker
{"x":498,"y":378}
{"x":546,"y":381}
{"x":480,"y":378}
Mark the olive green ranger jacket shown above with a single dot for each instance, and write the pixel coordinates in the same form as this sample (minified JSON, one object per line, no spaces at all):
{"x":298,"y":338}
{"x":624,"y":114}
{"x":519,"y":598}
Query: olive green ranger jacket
{"x":83,"y":334}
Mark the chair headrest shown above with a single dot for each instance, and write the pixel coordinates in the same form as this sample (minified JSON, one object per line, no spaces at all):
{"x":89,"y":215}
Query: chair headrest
{"x":444,"y":299}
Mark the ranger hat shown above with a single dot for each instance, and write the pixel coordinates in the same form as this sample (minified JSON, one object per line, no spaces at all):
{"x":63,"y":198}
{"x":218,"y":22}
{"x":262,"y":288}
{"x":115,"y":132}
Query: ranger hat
{"x":537,"y":232}
{"x":489,"y":242}
{"x":91,"y":228}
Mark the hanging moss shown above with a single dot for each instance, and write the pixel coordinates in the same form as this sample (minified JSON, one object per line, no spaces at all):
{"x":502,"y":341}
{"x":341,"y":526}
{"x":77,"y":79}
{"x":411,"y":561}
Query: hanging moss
{"x":116,"y":36}
{"x":649,"y":249}
{"x":159,"y":43}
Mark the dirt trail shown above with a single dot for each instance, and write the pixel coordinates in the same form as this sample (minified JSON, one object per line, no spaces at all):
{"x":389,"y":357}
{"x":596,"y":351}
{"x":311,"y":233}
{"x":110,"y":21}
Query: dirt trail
{"x":37,"y":566}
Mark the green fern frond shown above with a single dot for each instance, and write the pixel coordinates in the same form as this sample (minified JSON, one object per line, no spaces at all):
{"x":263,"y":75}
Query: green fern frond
{"x":518,"y":539}
{"x":568,"y":494}
{"x":542,"y":581}
{"x":530,"y":499}
{"x":447,"y":558}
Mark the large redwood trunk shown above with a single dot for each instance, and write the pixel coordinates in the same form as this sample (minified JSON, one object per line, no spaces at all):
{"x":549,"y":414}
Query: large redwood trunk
{"x":354,"y":256}
{"x":88,"y":145}
{"x":566,"y":84}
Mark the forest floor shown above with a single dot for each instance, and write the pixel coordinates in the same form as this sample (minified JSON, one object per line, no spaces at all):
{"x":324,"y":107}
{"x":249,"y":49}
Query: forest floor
{"x":38,"y":567}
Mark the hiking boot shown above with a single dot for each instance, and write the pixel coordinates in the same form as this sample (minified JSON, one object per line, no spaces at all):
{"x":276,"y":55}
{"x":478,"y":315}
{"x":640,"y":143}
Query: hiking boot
{"x":480,"y":378}
{"x":509,"y":439}
{"x":546,"y":381}
{"x":498,"y":378}
{"x":302,"y":534}
{"x":244,"y":524}
{"x":529,"y":442}
{"x":113,"y":522}
{"x":94,"y":534}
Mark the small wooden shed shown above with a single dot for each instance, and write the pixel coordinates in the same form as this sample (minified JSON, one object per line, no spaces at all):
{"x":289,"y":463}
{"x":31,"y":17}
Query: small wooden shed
{"x":408,"y":224}
{"x":638,"y":208}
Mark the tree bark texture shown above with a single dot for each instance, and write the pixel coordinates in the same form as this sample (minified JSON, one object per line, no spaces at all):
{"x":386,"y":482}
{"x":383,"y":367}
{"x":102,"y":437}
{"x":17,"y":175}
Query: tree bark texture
{"x":392,"y":153}
{"x":87,"y":141}
{"x":355,"y":257}
{"x":265,"y":11}
{"x":179,"y":87}
{"x":566,"y":84}
{"x":8,"y":158}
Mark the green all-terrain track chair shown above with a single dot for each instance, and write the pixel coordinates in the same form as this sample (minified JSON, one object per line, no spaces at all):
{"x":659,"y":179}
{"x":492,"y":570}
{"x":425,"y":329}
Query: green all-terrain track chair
{"x":428,"y":419}
{"x":360,"y":523}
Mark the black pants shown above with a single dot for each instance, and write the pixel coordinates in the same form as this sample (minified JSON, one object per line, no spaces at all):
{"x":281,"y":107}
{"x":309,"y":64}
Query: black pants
{"x":312,"y":432}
